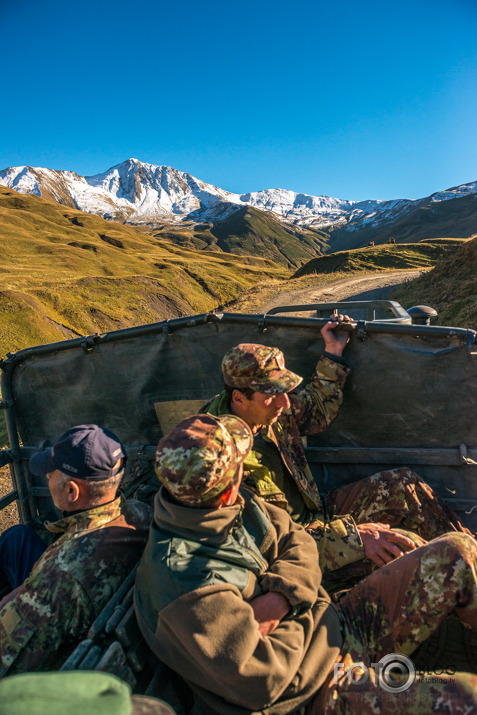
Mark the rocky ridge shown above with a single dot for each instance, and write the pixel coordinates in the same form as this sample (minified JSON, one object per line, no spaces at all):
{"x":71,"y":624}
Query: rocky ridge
{"x":139,"y":193}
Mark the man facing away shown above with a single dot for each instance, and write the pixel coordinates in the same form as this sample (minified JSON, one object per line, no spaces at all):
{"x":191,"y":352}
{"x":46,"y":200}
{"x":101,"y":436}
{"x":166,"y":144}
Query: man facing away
{"x":98,"y":542}
{"x":228,"y":594}
{"x":352,"y":524}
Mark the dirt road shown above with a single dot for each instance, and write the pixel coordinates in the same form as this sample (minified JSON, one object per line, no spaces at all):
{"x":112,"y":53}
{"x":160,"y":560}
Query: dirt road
{"x":368,"y":287}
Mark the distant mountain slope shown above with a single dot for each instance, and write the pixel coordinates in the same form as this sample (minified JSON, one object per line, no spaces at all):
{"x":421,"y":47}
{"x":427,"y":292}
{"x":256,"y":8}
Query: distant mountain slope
{"x":450,"y":288}
{"x":248,"y":231}
{"x":375,"y":258}
{"x":65,"y":273}
{"x":144,"y":194}
{"x":426,"y":218}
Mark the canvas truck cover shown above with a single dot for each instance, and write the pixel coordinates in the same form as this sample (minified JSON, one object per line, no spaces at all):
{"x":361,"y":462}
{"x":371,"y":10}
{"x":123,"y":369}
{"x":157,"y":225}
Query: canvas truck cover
{"x":409,"y":399}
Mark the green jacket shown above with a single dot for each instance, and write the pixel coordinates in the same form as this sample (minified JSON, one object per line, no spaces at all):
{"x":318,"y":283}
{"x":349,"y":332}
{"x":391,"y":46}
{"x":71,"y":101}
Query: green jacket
{"x":313,"y":409}
{"x":200,"y":569}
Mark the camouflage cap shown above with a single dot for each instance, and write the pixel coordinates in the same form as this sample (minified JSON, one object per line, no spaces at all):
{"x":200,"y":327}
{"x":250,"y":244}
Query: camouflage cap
{"x":199,"y":458}
{"x":259,"y":368}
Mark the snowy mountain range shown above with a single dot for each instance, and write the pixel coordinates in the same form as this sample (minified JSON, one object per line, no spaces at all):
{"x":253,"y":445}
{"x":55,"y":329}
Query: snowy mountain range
{"x":140,"y":193}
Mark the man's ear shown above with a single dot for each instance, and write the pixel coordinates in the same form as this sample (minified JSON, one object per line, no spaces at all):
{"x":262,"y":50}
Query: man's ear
{"x":227,"y":498}
{"x":238,"y":397}
{"x":72,"y":491}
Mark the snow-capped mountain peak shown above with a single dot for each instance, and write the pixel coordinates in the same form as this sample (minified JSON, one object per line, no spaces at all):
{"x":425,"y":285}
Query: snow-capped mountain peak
{"x":138,"y":192}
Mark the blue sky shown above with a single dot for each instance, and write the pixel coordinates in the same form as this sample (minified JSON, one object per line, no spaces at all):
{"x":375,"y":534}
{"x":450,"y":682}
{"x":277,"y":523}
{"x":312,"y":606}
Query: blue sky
{"x":369,"y":100}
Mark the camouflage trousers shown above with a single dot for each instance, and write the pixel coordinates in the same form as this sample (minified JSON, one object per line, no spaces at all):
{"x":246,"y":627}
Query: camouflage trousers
{"x":398,"y":497}
{"x":386,"y":617}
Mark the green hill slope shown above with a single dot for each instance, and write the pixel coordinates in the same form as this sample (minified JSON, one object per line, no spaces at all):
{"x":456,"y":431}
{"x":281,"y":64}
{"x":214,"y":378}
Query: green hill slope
{"x":249,"y":231}
{"x":450,"y":288}
{"x":377,"y":258}
{"x":65,"y":273}
{"x":456,"y":218}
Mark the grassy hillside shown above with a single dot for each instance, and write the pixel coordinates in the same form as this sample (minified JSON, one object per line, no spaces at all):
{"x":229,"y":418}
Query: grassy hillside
{"x":450,"y":288}
{"x":65,"y":273}
{"x":249,"y":231}
{"x":456,"y":218}
{"x":377,"y":258}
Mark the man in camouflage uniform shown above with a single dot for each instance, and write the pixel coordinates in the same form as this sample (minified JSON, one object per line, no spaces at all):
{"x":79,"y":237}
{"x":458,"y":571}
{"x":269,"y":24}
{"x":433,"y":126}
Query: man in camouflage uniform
{"x":353,"y":525}
{"x":99,"y":540}
{"x":228,"y":594}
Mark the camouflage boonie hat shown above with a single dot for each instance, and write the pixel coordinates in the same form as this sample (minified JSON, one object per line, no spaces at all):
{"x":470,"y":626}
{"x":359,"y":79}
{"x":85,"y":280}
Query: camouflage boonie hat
{"x":260,"y":368}
{"x":199,"y":458}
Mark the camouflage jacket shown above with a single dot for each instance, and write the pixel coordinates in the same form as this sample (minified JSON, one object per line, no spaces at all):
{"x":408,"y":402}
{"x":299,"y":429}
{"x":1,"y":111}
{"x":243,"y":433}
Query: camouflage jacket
{"x":313,"y":409}
{"x":72,"y":581}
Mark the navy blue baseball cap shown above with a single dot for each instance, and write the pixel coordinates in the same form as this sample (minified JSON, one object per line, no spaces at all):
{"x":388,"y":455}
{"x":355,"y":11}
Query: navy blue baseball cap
{"x":85,"y":452}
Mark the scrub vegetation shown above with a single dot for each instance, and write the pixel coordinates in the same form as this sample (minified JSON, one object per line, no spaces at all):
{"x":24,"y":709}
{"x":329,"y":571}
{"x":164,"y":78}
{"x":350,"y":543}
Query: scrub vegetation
{"x":405,"y":256}
{"x":64,"y":273}
{"x":450,"y":288}
{"x":251,"y":232}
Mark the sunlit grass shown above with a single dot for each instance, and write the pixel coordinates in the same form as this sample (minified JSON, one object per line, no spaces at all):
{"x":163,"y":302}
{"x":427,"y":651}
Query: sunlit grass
{"x":64,"y":273}
{"x":450,"y":288}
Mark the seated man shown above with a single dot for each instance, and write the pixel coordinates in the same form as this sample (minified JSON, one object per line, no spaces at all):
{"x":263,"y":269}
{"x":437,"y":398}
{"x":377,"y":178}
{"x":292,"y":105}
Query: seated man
{"x":228,"y":594}
{"x":352,"y":523}
{"x":99,"y":540}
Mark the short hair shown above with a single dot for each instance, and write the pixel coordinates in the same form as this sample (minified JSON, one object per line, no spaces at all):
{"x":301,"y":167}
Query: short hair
{"x":246,"y":391}
{"x":98,"y":488}
{"x":94,"y":489}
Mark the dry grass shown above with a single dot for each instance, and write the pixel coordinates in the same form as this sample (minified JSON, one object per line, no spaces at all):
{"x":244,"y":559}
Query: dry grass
{"x":8,"y":515}
{"x":450,"y":288}
{"x":65,"y":273}
{"x":404,"y":256}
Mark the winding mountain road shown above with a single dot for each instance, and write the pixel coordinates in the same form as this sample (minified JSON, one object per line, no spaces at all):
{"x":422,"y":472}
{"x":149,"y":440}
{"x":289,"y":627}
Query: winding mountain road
{"x":365,"y":287}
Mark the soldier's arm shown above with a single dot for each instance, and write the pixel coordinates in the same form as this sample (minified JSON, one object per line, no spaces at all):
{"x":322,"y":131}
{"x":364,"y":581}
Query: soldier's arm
{"x":339,"y":542}
{"x":47,"y":613}
{"x":342,"y":542}
{"x":317,"y":404}
{"x":292,"y":581}
{"x":242,"y":666}
{"x":291,"y":553}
